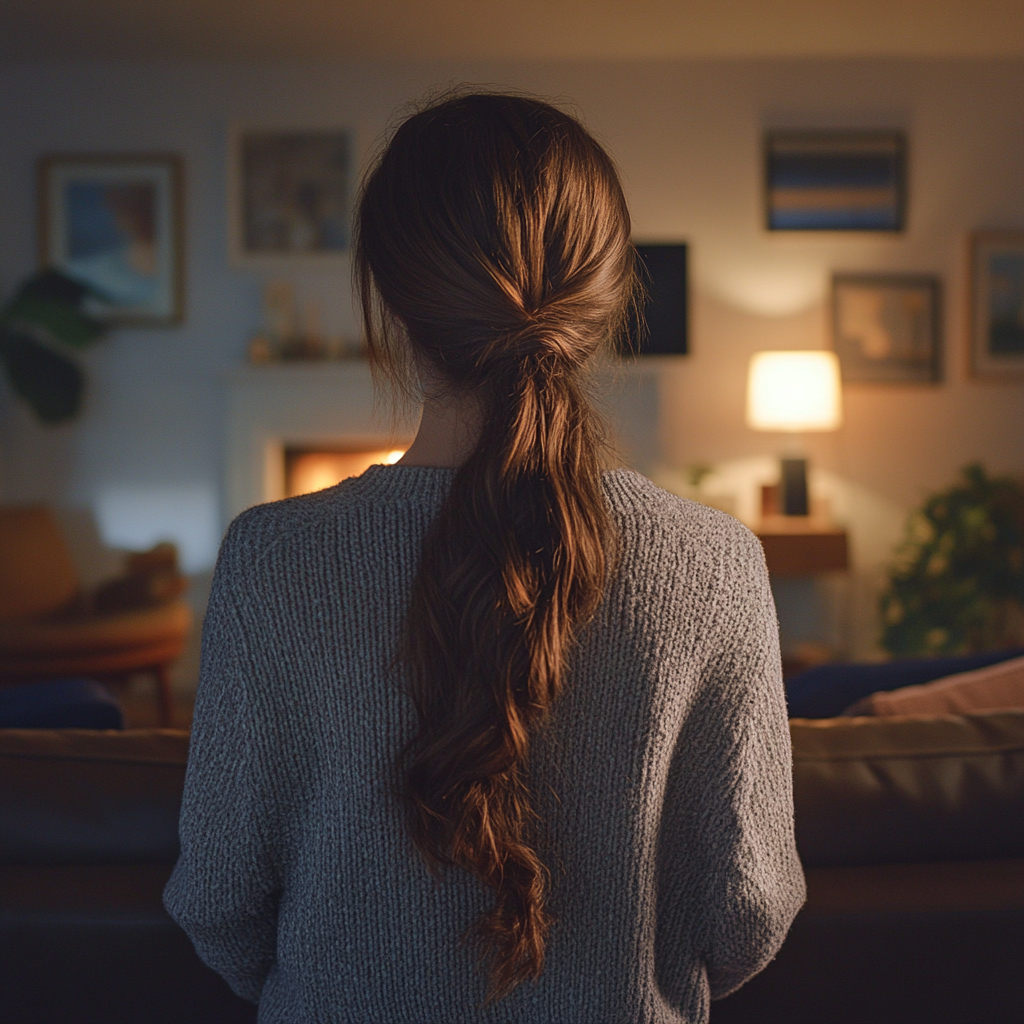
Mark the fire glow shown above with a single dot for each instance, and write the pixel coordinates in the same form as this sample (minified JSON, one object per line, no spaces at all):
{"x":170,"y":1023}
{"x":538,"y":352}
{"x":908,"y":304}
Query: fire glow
{"x":307,"y":471}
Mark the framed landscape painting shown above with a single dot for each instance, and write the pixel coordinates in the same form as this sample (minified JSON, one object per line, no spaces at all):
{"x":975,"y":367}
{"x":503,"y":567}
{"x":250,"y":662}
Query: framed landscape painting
{"x":290,"y":194}
{"x":835,"y":181}
{"x":114,"y":222}
{"x":997,"y":304}
{"x":887,"y":328}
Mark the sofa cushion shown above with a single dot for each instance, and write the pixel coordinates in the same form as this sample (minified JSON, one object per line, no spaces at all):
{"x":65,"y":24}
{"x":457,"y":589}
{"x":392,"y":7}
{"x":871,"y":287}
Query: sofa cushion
{"x":70,"y":796}
{"x":60,"y":704}
{"x":909,"y":788}
{"x":828,"y":690}
{"x":997,"y":687}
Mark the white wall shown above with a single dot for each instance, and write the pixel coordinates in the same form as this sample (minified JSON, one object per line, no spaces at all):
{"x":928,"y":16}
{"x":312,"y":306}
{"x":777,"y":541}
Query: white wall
{"x":146,"y":454}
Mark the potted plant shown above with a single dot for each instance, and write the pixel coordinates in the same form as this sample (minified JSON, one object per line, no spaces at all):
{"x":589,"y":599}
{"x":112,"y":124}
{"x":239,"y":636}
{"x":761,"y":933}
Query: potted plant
{"x":957,"y":584}
{"x":40,"y":328}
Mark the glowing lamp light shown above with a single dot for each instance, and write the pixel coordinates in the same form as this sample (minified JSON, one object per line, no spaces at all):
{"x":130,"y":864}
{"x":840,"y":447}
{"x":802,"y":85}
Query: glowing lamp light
{"x":794,"y":392}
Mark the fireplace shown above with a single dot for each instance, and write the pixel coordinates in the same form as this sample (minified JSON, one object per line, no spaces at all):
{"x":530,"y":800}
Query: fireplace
{"x":328,"y":407}
{"x":295,"y":427}
{"x":307,"y":470}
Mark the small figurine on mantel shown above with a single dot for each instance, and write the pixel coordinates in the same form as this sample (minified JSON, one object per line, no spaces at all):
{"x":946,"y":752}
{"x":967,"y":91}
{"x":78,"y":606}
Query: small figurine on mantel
{"x":292,"y":334}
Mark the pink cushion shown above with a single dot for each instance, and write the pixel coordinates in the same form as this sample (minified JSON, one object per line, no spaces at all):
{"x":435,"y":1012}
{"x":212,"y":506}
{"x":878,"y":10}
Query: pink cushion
{"x":994,"y":688}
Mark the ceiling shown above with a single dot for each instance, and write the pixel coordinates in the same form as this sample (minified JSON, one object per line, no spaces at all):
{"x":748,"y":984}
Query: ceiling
{"x":516,"y":29}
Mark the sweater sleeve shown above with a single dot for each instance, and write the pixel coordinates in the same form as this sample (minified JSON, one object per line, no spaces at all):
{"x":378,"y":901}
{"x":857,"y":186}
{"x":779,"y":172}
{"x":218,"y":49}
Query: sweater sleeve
{"x":730,"y":786}
{"x":224,"y":888}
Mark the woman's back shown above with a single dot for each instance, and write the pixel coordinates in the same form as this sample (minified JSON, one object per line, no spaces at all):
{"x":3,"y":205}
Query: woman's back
{"x":660,"y":778}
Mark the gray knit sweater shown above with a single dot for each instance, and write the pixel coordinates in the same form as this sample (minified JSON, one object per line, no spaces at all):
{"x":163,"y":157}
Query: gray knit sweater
{"x":663,"y":776}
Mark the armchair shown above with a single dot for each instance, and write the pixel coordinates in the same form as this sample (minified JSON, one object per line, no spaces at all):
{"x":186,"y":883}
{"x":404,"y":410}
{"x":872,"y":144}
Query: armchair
{"x":46,"y":633}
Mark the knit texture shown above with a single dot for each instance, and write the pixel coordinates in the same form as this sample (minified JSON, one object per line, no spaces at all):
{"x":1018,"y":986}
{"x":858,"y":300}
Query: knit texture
{"x":663,"y":776}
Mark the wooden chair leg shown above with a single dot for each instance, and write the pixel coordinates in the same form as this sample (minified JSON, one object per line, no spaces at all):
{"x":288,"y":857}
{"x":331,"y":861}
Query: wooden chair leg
{"x":164,"y":696}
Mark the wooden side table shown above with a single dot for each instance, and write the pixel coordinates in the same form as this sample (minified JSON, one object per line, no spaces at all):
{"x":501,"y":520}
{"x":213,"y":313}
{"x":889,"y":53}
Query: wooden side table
{"x":798,"y":546}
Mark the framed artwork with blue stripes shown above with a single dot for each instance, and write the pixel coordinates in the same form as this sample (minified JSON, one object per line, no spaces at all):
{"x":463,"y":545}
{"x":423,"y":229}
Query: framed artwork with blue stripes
{"x":835,"y":181}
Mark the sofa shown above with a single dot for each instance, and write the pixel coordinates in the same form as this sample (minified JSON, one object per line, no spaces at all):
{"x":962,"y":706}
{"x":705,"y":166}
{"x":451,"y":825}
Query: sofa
{"x":911,"y":831}
{"x":88,"y":837}
{"x":50,"y":628}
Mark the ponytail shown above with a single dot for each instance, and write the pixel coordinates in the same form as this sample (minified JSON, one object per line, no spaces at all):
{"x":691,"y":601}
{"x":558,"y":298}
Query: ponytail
{"x":505,"y":270}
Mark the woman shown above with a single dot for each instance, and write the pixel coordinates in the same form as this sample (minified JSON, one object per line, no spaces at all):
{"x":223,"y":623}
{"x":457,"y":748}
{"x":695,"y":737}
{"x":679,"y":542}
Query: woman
{"x":489,"y":734}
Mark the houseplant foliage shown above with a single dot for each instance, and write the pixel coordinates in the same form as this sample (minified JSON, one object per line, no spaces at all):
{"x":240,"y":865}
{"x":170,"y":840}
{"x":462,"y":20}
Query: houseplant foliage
{"x":40,"y":328}
{"x":957,"y":584}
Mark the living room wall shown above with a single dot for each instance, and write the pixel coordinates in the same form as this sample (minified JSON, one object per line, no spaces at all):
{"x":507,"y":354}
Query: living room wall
{"x":146,"y":455}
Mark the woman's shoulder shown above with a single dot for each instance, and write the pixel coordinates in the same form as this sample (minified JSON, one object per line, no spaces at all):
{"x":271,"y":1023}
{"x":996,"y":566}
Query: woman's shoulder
{"x":258,"y":529}
{"x":651,"y":520}
{"x":377,"y":494}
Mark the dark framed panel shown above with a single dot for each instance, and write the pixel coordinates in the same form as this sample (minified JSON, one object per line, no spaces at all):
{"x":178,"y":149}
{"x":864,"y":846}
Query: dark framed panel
{"x":887,"y":328}
{"x":115,"y":222}
{"x":665,"y":306}
{"x":835,"y":181}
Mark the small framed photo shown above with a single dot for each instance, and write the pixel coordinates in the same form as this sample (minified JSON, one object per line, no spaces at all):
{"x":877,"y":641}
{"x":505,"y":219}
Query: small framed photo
{"x":290,"y":194}
{"x":114,"y":222}
{"x":887,"y":328}
{"x":997,"y":304}
{"x":835,"y":181}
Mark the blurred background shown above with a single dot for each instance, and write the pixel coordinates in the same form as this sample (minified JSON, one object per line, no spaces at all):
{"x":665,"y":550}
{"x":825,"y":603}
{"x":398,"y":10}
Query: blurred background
{"x":192,"y":166}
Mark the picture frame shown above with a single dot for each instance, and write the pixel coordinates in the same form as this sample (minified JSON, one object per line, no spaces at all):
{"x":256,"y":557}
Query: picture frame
{"x":115,"y":222}
{"x":835,"y":181}
{"x":663,"y":271}
{"x":996,"y":291}
{"x":887,"y":328}
{"x":290,"y":194}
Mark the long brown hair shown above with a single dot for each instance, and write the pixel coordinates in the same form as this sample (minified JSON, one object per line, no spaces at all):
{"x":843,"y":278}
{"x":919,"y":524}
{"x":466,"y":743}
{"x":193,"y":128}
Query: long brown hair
{"x":492,"y":243}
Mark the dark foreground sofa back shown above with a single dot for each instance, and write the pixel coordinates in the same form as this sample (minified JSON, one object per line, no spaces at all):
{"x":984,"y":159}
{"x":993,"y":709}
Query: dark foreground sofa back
{"x":88,"y":825}
{"x":78,"y":796}
{"x":88,"y":837}
{"x":867,"y":791}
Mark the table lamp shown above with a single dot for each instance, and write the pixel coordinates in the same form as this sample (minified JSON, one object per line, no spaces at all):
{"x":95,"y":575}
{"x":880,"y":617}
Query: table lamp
{"x":794,"y":392}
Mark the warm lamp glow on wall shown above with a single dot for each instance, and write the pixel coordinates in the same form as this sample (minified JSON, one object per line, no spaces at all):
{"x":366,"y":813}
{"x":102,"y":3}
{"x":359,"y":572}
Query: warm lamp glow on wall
{"x":794,"y":393}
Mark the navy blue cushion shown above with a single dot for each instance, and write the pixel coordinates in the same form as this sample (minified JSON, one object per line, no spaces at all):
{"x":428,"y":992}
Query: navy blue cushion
{"x":61,"y":704}
{"x":828,"y":690}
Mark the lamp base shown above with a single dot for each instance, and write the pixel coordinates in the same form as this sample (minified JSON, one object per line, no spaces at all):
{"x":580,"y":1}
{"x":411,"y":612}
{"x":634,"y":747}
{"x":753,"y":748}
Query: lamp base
{"x":794,"y":487}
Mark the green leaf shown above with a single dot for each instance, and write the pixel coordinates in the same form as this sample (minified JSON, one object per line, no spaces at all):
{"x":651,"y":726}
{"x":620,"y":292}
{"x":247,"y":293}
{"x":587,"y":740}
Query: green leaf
{"x":61,"y":321}
{"x":51,"y":383}
{"x":958,"y":570}
{"x":53,"y":286}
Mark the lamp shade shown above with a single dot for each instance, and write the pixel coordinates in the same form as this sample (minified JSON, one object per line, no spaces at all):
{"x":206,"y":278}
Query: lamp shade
{"x":794,"y":391}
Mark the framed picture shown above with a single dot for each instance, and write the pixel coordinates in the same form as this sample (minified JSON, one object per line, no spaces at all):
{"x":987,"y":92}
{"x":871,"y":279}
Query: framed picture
{"x":290,"y":194}
{"x":887,"y":328}
{"x":115,"y":223}
{"x":997,"y":304}
{"x":835,"y":181}
{"x":662,"y":271}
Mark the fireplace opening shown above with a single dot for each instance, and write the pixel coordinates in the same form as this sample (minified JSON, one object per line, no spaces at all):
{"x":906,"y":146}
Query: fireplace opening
{"x":307,"y":470}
